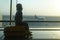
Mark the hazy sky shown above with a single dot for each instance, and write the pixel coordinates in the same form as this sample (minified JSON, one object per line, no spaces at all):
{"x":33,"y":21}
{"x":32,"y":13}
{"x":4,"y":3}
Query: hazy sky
{"x":32,"y":7}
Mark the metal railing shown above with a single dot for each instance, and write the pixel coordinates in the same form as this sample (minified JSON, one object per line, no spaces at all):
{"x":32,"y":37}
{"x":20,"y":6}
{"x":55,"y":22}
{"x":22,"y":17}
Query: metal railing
{"x":27,"y":21}
{"x":40,"y":29}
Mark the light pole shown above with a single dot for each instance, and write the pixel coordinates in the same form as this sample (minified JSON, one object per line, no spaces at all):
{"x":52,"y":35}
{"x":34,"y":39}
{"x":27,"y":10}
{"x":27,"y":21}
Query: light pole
{"x":16,"y":1}
{"x":10,"y":10}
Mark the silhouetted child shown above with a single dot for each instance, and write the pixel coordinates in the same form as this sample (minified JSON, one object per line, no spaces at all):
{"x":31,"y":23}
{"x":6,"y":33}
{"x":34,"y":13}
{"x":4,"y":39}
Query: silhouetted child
{"x":19,"y":17}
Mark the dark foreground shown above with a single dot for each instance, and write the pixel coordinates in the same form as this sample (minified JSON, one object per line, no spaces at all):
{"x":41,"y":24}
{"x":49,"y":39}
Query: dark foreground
{"x":27,"y":39}
{"x":22,"y":38}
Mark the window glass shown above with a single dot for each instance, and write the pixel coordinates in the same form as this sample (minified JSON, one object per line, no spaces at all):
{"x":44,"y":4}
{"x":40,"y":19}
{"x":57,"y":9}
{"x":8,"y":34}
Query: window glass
{"x":33,"y":10}
{"x":41,"y":10}
{"x":4,"y":11}
{"x":46,"y":12}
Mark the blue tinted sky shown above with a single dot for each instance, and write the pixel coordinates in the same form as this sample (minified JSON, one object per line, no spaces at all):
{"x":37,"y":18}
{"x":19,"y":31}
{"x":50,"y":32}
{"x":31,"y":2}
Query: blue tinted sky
{"x":32,"y":7}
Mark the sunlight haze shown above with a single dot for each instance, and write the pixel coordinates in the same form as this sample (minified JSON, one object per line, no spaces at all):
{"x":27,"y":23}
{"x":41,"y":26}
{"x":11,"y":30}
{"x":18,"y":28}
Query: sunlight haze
{"x":32,"y":7}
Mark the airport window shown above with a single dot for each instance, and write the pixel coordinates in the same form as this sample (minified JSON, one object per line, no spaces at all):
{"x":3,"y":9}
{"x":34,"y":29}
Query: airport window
{"x":42,"y":16}
{"x":33,"y":10}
